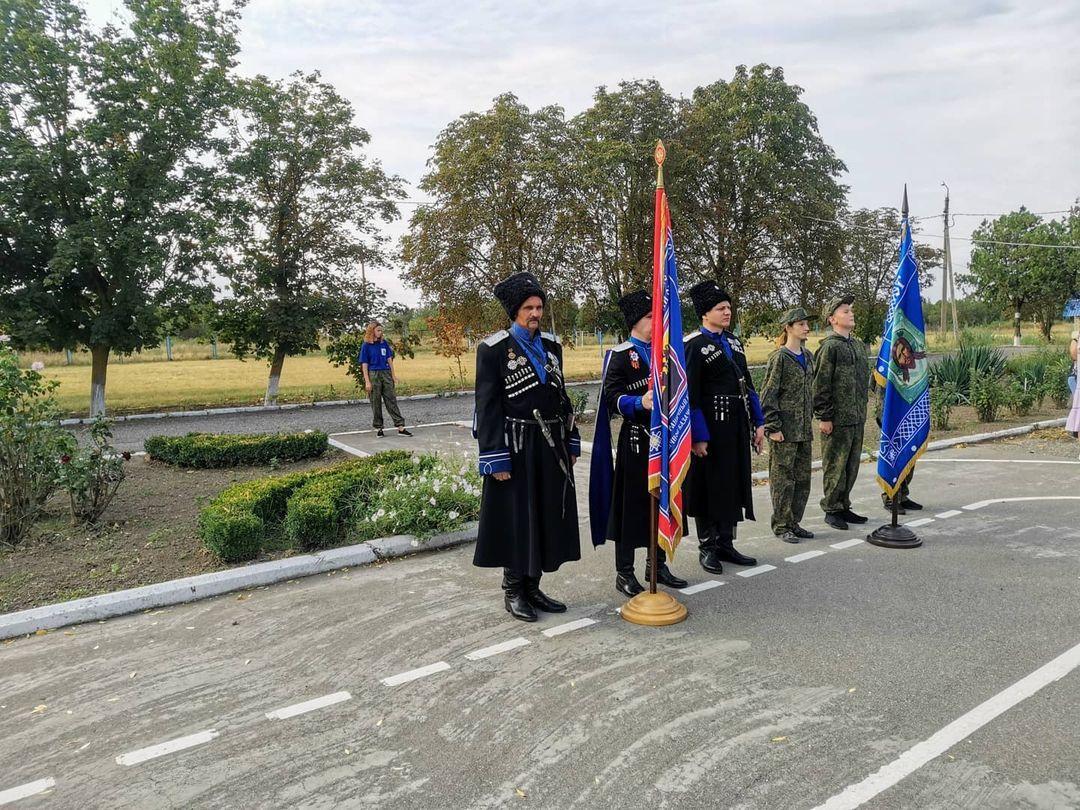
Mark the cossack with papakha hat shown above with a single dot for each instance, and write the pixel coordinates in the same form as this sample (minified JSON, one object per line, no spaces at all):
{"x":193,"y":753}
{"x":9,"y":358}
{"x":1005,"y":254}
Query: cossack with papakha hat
{"x":514,"y":290}
{"x":706,"y":295}
{"x":635,"y":306}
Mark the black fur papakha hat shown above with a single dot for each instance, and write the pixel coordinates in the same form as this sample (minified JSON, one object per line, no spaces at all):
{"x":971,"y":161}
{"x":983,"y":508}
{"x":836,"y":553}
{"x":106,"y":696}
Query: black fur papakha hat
{"x":514,"y":290}
{"x":635,"y":306}
{"x":706,"y":295}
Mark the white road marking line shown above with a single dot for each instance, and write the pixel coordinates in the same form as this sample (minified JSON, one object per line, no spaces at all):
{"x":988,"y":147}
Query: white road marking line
{"x":959,"y":729}
{"x":949,"y":514}
{"x":308,"y":706}
{"x":569,"y":627}
{"x":702,"y":586}
{"x":29,"y":789}
{"x":914,"y":524}
{"x":857,"y":541}
{"x":806,"y":555}
{"x":415,"y":674}
{"x":345,"y":448}
{"x":981,"y":504}
{"x":753,"y":572}
{"x":170,"y":747}
{"x":495,"y":649}
{"x":1001,"y":460}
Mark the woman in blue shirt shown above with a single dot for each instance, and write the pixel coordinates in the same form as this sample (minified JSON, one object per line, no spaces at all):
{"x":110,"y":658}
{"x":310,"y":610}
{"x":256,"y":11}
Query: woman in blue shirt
{"x":377,"y":361}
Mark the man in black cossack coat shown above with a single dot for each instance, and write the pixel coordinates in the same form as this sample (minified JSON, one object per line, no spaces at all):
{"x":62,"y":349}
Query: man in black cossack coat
{"x":524,"y":423}
{"x":620,"y":505}
{"x":725,"y":420}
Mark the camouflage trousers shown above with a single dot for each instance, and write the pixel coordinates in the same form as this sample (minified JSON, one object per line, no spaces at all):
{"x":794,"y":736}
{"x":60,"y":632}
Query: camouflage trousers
{"x":789,"y":483}
{"x":840,"y":452}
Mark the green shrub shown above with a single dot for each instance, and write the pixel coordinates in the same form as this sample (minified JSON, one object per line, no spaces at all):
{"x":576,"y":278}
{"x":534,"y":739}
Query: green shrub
{"x":205,"y":450}
{"x":233,"y":525}
{"x":987,"y":396}
{"x":957,"y":368}
{"x":319,"y":512}
{"x":32,"y":445}
{"x":422,"y":502}
{"x":1056,"y":384}
{"x":1021,"y":396}
{"x":942,"y":400}
{"x":93,"y":473}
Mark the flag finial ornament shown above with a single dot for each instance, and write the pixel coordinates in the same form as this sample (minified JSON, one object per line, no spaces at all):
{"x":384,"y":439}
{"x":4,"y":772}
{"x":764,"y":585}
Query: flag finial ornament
{"x":904,"y":206}
{"x":659,"y":153}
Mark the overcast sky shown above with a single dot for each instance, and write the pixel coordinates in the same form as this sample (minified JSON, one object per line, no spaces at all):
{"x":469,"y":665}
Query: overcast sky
{"x":983,"y":94}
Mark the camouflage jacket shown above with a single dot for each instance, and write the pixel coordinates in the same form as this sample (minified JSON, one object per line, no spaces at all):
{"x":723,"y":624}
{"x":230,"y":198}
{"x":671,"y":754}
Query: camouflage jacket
{"x":841,"y":380}
{"x":787,"y":396}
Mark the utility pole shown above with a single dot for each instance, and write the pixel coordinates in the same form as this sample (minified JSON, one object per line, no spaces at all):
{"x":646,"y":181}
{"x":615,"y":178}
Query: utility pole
{"x":948,"y":290}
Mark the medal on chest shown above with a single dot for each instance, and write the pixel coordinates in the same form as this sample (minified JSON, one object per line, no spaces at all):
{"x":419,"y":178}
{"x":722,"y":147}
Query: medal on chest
{"x":635,"y":360}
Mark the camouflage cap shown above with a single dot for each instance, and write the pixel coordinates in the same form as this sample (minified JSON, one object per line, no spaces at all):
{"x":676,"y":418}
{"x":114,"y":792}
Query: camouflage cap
{"x":793,"y":315}
{"x":832,"y":305}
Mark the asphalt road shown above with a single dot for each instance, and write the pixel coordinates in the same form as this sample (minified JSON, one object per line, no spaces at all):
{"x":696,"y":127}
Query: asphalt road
{"x":781,"y":690}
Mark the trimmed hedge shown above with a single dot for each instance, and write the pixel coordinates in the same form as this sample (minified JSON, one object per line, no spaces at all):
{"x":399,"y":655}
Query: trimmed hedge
{"x":204,"y":450}
{"x":312,"y":506}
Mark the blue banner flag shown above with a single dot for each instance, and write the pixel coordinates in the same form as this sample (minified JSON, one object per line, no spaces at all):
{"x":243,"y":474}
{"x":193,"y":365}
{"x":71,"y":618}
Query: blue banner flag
{"x":902,"y":370}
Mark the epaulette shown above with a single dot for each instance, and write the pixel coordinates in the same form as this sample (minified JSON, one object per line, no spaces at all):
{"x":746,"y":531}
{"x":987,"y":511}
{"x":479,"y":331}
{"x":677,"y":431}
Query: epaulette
{"x":690,"y":336}
{"x":497,"y":338}
{"x":626,"y":344}
{"x":551,"y":336}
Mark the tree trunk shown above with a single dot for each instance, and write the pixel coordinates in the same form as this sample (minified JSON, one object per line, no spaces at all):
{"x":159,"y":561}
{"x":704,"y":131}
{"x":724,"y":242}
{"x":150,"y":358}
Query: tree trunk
{"x":1047,"y":325}
{"x":100,"y":365}
{"x":275,"y":376}
{"x":1016,"y":325}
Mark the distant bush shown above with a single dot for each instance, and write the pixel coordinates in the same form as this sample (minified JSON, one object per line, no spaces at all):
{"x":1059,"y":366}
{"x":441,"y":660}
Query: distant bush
{"x":205,"y":450}
{"x":987,"y":396}
{"x":959,"y":367}
{"x":942,"y":400}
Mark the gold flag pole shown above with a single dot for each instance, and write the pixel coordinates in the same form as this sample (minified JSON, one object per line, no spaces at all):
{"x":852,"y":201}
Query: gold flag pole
{"x":654,"y":608}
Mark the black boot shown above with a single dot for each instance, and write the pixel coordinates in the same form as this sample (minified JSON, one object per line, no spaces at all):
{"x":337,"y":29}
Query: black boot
{"x":836,"y":520}
{"x":540,"y":600}
{"x":907,"y":503}
{"x":801,"y":533}
{"x":708,"y":557}
{"x":514,"y":600}
{"x":852,"y":517}
{"x":665,"y":577}
{"x":886,"y":501}
{"x":626,"y":582}
{"x":725,"y":547}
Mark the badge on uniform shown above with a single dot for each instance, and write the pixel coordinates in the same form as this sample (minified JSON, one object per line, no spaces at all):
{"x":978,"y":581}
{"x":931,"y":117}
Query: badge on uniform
{"x":635,"y":361}
{"x":708,"y":349}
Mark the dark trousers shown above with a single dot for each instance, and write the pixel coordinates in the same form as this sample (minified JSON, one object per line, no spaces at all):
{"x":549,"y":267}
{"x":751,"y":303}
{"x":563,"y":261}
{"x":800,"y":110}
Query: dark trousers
{"x":624,"y":557}
{"x":710,"y":531}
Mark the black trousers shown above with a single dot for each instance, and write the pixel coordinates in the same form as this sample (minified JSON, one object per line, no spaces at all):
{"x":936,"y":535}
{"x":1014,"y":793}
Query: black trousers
{"x":624,"y":556}
{"x":709,"y":531}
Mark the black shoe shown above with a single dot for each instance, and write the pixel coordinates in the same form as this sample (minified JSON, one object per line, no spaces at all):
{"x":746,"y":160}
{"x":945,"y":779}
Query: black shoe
{"x":728,"y":553}
{"x":627,"y":583}
{"x":907,"y":503}
{"x":710,"y":561}
{"x":403,"y":432}
{"x":665,"y":577}
{"x":836,"y":520}
{"x":518,"y":606}
{"x":538,"y":599}
{"x":789,"y":537}
{"x":851,"y":517}
{"x":379,"y":433}
{"x":802,"y":534}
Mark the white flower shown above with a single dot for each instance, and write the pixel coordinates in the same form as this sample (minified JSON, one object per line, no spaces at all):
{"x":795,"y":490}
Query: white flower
{"x":431,"y":501}
{"x":453,"y":515}
{"x":37,"y":365}
{"x":5,"y":338}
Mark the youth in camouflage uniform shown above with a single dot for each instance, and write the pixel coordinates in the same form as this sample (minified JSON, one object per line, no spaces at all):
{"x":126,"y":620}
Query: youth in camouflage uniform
{"x":787,"y":398}
{"x":841,"y":393}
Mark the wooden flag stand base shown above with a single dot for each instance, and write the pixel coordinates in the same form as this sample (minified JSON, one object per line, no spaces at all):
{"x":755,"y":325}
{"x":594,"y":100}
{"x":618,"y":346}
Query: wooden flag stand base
{"x":653,"y":608}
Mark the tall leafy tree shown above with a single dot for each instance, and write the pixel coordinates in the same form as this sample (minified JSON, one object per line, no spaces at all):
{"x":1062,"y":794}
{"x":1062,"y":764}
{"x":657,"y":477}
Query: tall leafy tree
{"x":613,"y":183}
{"x":870,"y":255}
{"x":498,"y":180}
{"x":1004,"y":268}
{"x":753,"y":167}
{"x":304,"y":209}
{"x":105,"y":228}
